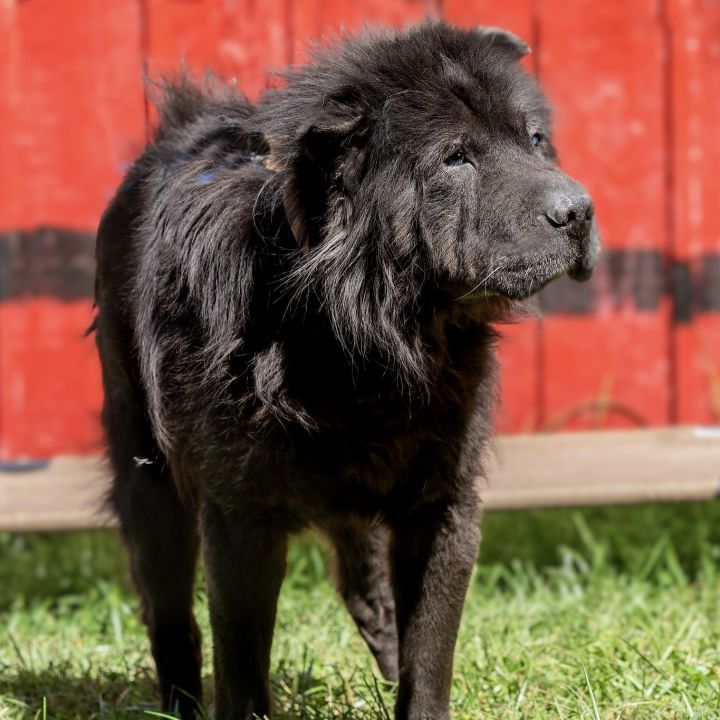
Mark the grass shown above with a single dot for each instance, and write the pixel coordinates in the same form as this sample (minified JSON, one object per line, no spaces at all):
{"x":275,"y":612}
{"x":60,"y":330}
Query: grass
{"x":591,"y":629}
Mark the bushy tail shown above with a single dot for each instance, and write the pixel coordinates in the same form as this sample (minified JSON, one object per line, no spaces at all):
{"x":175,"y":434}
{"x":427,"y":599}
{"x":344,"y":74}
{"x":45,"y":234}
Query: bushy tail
{"x":180,"y":100}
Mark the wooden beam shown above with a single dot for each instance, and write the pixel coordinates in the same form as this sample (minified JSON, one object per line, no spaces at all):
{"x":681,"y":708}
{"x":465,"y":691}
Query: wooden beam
{"x":604,"y":468}
{"x":526,"y":471}
{"x":67,"y":494}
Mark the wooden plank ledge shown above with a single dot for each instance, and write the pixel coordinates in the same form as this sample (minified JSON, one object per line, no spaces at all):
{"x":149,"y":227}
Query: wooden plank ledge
{"x":526,"y":471}
{"x":67,"y":494}
{"x":604,"y":468}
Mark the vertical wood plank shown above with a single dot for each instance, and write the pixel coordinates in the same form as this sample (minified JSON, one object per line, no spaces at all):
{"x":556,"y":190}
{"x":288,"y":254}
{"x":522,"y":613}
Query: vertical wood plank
{"x":242,"y":39}
{"x":70,"y":108}
{"x":71,"y":117}
{"x":694,"y":27}
{"x":51,"y":393}
{"x":321,"y":19}
{"x":602,"y":64}
{"x":519,"y":347}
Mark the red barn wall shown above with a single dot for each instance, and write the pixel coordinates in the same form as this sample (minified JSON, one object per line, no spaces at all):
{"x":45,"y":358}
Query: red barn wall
{"x":636,"y":88}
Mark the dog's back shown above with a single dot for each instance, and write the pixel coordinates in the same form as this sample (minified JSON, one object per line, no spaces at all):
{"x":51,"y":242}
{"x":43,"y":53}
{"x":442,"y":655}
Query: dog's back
{"x":168,"y":241}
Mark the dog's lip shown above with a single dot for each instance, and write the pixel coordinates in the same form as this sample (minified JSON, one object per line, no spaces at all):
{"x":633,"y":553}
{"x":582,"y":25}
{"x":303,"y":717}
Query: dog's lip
{"x":580,"y":273}
{"x":584,"y":266}
{"x":540,"y":284}
{"x":576,"y":270}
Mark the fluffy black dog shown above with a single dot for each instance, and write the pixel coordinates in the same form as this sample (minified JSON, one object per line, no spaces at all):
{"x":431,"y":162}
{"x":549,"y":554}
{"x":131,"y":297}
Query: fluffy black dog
{"x":295,"y":301}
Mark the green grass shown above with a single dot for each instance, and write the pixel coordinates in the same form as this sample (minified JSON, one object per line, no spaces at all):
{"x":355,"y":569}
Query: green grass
{"x":589,"y":628}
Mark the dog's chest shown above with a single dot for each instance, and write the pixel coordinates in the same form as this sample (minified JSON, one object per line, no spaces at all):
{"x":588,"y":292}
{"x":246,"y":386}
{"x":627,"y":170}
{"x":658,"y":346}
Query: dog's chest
{"x":375,"y":457}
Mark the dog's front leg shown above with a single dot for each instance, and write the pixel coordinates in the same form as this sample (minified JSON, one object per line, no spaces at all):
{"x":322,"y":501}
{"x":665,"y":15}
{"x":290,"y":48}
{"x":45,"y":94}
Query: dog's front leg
{"x":433,"y":555}
{"x":245,"y":557}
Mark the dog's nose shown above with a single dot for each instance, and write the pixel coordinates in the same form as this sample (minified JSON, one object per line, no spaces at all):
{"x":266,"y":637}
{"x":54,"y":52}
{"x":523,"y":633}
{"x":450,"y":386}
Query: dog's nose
{"x":572,"y":213}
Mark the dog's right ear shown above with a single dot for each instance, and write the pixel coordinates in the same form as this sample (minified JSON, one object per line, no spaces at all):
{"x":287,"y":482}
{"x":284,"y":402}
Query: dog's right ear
{"x":318,"y":167}
{"x":503,"y":41}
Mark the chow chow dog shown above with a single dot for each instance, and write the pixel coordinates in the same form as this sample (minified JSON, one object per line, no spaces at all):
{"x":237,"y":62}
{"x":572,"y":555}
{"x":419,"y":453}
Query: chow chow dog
{"x":295,"y":305}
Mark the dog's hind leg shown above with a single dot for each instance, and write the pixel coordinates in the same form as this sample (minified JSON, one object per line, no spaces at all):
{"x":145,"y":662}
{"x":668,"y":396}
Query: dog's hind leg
{"x":159,"y":530}
{"x":162,"y":538}
{"x":363,"y":582}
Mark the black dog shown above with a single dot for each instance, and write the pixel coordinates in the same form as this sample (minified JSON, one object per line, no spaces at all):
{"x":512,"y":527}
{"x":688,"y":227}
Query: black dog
{"x":295,"y":302}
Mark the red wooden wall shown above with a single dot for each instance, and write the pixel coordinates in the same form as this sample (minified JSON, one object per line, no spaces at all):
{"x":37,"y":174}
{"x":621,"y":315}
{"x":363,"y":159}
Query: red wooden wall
{"x":636,"y":87}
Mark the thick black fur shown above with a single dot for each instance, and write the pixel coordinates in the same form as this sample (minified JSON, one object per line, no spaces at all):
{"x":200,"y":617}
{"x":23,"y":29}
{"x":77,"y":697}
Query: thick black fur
{"x":295,"y":301}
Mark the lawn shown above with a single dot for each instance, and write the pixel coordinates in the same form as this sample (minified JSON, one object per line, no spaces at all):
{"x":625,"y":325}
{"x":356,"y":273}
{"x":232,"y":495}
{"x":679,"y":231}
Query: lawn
{"x":602,"y":614}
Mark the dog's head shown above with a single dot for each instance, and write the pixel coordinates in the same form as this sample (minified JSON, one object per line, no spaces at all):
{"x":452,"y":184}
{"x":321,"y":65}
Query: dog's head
{"x":417,"y":172}
{"x":433,"y":147}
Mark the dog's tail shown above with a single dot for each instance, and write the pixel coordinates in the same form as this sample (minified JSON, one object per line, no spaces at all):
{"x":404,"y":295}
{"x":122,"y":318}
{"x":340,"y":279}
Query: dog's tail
{"x":180,"y":100}
{"x":92,"y":327}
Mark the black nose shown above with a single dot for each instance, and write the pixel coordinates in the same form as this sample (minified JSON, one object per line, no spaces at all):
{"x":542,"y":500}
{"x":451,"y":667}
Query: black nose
{"x":573,"y":213}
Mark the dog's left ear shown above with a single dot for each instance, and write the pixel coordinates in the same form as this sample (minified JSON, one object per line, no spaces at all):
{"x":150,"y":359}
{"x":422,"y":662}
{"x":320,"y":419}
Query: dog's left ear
{"x":504,"y":41}
{"x":317,"y":166}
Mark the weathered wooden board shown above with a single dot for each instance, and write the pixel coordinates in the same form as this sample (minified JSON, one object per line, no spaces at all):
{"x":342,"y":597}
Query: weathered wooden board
{"x":50,"y":395}
{"x":694,"y":125}
{"x":323,"y":19}
{"x":606,"y":344}
{"x":66,"y":494}
{"x":605,"y":468}
{"x":564,"y":469}
{"x":71,"y":118}
{"x":241,"y":39}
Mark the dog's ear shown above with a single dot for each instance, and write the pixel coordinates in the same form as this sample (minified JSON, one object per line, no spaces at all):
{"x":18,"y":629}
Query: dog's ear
{"x":318,"y":167}
{"x":504,"y":42}
{"x":326,"y":137}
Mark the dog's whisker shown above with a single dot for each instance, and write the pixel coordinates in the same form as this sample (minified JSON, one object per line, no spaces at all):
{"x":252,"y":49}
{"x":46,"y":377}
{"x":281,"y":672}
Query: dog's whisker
{"x":482,"y":282}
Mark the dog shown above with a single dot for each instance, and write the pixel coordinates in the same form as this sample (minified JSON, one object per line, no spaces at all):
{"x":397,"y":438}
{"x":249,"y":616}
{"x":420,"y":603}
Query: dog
{"x":295,"y":306}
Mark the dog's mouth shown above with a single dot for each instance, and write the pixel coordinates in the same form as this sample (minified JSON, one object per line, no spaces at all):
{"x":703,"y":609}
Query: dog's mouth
{"x":521,"y":277}
{"x":580,"y":268}
{"x":519,"y":284}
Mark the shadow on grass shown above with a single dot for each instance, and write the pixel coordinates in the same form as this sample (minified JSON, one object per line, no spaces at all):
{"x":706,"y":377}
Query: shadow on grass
{"x":70,"y":694}
{"x":299,"y":694}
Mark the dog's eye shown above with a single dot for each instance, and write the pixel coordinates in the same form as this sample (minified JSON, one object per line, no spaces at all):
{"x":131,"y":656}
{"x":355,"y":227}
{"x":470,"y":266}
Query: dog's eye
{"x":536,"y":139}
{"x":458,"y":157}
